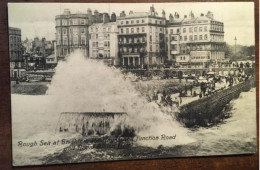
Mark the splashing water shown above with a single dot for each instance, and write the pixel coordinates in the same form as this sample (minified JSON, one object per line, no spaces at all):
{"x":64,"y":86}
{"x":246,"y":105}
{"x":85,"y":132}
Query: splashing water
{"x":85,"y":85}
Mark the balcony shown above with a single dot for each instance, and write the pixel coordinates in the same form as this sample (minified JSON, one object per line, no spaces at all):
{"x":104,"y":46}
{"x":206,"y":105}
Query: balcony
{"x":132,"y":43}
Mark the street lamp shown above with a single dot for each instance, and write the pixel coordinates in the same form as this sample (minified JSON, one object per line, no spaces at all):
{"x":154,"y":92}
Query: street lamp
{"x":235,"y":44}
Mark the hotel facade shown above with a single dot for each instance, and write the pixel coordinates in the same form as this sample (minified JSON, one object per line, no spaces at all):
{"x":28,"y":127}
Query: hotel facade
{"x":17,"y":65}
{"x":139,"y":39}
{"x":195,"y":41}
{"x":72,"y":31}
{"x":103,"y":42}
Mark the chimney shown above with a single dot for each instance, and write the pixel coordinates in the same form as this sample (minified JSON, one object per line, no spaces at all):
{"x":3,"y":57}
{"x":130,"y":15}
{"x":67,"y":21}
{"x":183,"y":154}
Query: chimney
{"x":96,"y":13}
{"x":67,"y":11}
{"x":106,"y":18}
{"x":201,"y":14}
{"x":210,"y":15}
{"x":191,"y":15}
{"x":89,"y":12}
{"x":185,"y":16}
{"x":176,"y":15}
{"x":171,"y":18}
{"x":163,"y":13}
{"x":113,"y":17}
{"x":122,"y":14}
{"x":131,"y":12}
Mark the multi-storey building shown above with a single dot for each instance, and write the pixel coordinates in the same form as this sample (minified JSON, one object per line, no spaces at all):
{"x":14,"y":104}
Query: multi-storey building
{"x":72,"y":31}
{"x":103,"y":42}
{"x":16,"y":53}
{"x":141,"y":38}
{"x":195,"y":41}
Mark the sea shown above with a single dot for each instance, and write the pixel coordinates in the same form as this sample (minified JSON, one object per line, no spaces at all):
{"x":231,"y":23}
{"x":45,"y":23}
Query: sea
{"x":81,"y":85}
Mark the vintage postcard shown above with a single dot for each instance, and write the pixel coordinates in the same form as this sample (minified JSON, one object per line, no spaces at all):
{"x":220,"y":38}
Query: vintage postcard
{"x":121,"y":81}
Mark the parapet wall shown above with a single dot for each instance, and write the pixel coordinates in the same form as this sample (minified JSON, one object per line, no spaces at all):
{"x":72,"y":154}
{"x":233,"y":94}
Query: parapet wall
{"x":89,"y":123}
{"x":207,"y":109}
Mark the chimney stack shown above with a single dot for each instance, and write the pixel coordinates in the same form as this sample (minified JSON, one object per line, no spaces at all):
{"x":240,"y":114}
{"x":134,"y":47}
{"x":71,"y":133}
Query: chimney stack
{"x":122,"y":14}
{"x":67,"y":11}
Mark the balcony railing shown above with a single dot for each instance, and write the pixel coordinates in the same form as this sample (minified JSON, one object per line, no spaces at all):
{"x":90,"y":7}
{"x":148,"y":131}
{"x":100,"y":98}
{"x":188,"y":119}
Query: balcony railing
{"x":132,"y":43}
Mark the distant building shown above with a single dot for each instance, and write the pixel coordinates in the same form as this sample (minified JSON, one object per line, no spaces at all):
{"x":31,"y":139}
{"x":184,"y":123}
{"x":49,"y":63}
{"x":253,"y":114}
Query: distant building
{"x":202,"y":38}
{"x":52,"y":60}
{"x":28,"y":45}
{"x":141,"y":38}
{"x":103,"y":42}
{"x":72,"y":31}
{"x":17,"y":68}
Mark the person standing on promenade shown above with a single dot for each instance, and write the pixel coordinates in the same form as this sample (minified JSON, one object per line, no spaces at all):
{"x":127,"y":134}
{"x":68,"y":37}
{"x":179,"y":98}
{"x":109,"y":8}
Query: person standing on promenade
{"x":191,"y":89}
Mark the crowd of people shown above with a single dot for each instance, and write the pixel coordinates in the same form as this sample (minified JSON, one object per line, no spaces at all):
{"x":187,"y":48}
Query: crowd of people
{"x":211,"y":86}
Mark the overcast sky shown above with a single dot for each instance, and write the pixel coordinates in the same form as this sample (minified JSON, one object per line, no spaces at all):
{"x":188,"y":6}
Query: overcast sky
{"x":38,"y":19}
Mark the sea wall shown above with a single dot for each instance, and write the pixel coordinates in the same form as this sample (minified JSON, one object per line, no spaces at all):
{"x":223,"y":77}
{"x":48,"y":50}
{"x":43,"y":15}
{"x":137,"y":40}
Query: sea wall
{"x":90,"y":123}
{"x":206,"y":110}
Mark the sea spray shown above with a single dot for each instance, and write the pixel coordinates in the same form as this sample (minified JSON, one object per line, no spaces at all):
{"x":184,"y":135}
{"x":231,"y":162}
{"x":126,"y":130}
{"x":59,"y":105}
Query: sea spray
{"x":85,"y":85}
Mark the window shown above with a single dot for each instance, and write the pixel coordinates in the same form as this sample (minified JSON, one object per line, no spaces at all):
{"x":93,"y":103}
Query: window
{"x":142,"y":29}
{"x":200,"y":29}
{"x":75,"y":40}
{"x":75,"y":21}
{"x":82,"y":30}
{"x":64,"y":22}
{"x":171,"y":30}
{"x":127,"y":30}
{"x":151,"y":48}
{"x":132,"y":30}
{"x":96,"y":36}
{"x":160,"y":29}
{"x":195,"y":29}
{"x":122,"y":30}
{"x":58,"y":22}
{"x":122,"y":22}
{"x":190,"y":37}
{"x":143,"y":21}
{"x":137,"y":30}
{"x":205,"y":28}
{"x":178,"y":30}
{"x":64,"y":31}
{"x":157,"y":48}
{"x":184,"y":30}
{"x":59,"y":31}
{"x":83,"y":40}
{"x":190,"y":29}
{"x":127,"y":22}
{"x":195,"y":37}
{"x":104,"y":29}
{"x":132,"y":21}
{"x":150,"y":38}
{"x":200,"y":37}
{"x":161,"y":22}
{"x":137,"y":21}
{"x":174,"y":38}
{"x":155,"y":21}
{"x":185,"y":38}
{"x":65,"y":41}
{"x":94,"y":44}
{"x":174,"y":47}
{"x":180,"y":38}
{"x":82,"y":22}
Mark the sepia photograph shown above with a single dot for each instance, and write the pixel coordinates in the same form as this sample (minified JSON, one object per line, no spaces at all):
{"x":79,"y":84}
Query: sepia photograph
{"x":95,"y":82}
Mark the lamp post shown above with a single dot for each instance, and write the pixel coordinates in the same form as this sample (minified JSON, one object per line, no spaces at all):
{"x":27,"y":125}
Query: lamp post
{"x":235,"y":45}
